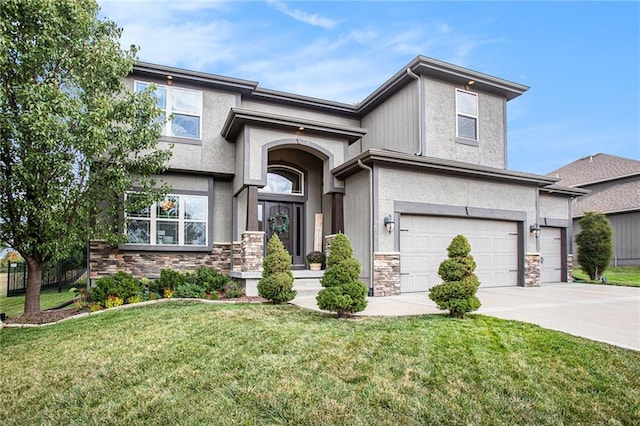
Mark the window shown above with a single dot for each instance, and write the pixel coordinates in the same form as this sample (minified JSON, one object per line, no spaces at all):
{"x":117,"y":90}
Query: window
{"x":467,"y":115}
{"x":284,"y":180}
{"x":184,"y":106}
{"x":175,"y":220}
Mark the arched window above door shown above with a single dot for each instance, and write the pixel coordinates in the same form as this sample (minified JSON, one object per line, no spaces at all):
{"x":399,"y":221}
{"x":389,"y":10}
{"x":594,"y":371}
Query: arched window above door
{"x":284,"y":180}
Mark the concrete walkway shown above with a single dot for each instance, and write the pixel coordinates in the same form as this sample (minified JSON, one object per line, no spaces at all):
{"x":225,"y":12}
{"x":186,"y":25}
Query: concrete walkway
{"x":607,"y":314}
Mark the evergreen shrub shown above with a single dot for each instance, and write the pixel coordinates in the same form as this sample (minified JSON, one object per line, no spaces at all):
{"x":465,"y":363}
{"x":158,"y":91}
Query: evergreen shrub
{"x":276,"y":283}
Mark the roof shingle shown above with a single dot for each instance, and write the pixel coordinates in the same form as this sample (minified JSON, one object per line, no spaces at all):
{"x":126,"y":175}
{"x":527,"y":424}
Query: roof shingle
{"x":596,"y":168}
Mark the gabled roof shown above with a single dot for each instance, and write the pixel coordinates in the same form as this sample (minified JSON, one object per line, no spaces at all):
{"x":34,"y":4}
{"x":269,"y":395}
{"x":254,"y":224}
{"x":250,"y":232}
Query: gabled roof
{"x":596,"y":168}
{"x":615,"y":199}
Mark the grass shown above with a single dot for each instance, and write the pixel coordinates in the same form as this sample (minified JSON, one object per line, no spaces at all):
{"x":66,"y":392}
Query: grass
{"x":189,"y":363}
{"x":49,"y":298}
{"x":621,"y":275}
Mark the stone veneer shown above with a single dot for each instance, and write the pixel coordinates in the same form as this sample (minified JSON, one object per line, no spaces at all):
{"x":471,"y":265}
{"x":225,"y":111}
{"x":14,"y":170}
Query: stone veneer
{"x":569,"y":268}
{"x":386,"y":274}
{"x":105,"y":260}
{"x":328,"y":239}
{"x":532,"y":269}
{"x":252,"y":253}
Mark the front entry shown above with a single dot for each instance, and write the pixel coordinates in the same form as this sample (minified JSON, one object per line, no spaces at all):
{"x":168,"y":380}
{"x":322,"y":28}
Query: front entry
{"x":287,"y":220}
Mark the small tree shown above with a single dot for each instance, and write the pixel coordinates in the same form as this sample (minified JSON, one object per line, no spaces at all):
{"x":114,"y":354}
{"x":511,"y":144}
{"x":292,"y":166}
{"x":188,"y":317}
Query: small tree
{"x":73,"y":138}
{"x":458,"y":291}
{"x":277,"y":280}
{"x":344,"y":292}
{"x":595,"y":246}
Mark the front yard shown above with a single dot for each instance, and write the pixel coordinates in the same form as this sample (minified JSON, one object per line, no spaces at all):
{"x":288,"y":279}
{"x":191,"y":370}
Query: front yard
{"x":192,"y":363}
{"x":622,"y":275}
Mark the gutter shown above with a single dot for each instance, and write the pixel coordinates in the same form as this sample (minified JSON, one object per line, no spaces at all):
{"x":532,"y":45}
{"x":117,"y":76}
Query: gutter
{"x":361,"y":164}
{"x":421,"y":137}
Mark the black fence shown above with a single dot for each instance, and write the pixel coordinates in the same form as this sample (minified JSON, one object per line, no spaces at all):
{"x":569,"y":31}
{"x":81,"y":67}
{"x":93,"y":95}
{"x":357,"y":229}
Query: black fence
{"x":56,"y":275}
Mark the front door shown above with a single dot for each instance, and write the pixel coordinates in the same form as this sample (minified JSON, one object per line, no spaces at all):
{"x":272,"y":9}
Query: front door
{"x":287,"y":220}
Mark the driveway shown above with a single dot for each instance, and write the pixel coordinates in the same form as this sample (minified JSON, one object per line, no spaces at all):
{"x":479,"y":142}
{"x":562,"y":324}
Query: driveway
{"x":607,"y":314}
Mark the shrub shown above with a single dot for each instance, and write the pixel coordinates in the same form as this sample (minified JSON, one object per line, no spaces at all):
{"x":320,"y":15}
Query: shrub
{"x":276,"y":283}
{"x":595,"y":246}
{"x":458,"y":291}
{"x":189,"y":290}
{"x":112,"y":302}
{"x":344,"y":292}
{"x":169,"y":279}
{"x":211,"y":280}
{"x":232,"y":290}
{"x":121,"y":285}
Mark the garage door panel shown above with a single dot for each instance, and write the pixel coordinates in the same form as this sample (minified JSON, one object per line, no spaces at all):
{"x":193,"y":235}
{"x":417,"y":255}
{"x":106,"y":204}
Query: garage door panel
{"x":551,"y":252}
{"x":424,"y":241}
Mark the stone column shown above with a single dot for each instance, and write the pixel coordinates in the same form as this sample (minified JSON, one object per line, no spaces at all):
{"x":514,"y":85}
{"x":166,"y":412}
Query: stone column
{"x":251,"y":255}
{"x":532,"y":269}
{"x":386,"y":274}
{"x":570,"y":268}
{"x":328,"y":239}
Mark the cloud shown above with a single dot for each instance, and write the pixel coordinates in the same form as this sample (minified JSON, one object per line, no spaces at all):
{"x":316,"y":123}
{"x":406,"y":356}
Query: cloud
{"x":304,"y":17}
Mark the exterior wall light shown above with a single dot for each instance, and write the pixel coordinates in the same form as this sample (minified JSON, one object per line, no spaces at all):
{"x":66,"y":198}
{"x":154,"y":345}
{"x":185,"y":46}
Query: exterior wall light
{"x":535,"y":230}
{"x":389,"y":224}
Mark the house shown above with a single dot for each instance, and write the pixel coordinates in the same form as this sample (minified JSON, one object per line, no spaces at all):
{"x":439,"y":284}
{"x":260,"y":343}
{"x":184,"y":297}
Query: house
{"x":421,"y":159}
{"x":614,"y":183}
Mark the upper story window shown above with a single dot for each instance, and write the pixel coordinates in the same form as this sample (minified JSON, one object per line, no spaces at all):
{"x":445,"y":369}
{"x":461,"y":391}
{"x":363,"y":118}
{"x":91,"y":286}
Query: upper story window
{"x":184,"y":106}
{"x":284,"y":180}
{"x":466,"y":115}
{"x":175,"y":220}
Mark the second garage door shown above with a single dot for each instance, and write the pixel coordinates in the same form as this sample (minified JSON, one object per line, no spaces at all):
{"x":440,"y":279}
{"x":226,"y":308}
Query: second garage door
{"x":424,"y":241}
{"x":551,"y":252}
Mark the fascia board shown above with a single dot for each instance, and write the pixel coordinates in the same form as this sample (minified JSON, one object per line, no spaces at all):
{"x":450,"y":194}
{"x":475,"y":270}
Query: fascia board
{"x":238,"y":118}
{"x":394,"y":159}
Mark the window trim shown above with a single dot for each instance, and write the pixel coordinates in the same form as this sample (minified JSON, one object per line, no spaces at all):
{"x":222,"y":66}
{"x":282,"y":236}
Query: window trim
{"x":181,"y":220}
{"x":292,"y":170}
{"x":169,"y":110}
{"x":464,"y":139}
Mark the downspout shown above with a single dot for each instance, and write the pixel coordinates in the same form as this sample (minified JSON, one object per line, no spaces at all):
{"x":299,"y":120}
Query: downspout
{"x":361,"y":164}
{"x":421,"y":138}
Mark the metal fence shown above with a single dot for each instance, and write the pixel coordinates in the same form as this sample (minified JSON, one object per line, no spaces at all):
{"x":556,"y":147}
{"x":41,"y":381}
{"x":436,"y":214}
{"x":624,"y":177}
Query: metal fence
{"x":56,"y":275}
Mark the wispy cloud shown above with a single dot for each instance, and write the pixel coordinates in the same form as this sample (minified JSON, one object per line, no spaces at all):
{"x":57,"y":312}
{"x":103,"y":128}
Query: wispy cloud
{"x":304,"y":17}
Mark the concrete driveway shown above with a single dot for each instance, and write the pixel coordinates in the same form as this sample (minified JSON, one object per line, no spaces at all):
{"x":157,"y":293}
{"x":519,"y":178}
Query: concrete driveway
{"x":607,"y":314}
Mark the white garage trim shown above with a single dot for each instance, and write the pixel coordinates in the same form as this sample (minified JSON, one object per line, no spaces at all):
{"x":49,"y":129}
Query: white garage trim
{"x":424,"y":239}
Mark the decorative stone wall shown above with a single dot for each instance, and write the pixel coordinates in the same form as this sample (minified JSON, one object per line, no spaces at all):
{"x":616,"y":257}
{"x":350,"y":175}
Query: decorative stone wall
{"x":105,"y":260}
{"x":532,"y":269}
{"x":569,"y":268}
{"x":252,"y":249}
{"x":386,"y":274}
{"x":236,"y":256}
{"x":328,"y":239}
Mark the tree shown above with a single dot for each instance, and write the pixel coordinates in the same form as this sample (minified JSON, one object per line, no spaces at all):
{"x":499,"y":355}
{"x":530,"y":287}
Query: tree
{"x":595,"y":245}
{"x":73,"y":138}
{"x":344,"y":292}
{"x":458,"y":291}
{"x":276,"y":283}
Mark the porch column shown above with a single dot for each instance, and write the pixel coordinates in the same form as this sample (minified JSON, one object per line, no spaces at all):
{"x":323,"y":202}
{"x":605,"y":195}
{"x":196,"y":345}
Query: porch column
{"x":337,"y":213}
{"x":252,"y":208}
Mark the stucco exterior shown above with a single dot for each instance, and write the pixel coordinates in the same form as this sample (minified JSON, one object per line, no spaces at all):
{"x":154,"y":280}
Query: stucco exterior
{"x":395,"y":153}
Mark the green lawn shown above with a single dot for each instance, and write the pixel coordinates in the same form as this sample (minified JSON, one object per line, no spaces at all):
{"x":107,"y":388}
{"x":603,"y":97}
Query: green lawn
{"x":190,"y":363}
{"x":49,"y":298}
{"x":621,"y":275}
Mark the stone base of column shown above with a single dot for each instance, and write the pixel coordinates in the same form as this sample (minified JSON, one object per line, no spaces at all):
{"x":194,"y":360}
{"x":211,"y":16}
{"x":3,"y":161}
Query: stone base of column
{"x":532,"y":269}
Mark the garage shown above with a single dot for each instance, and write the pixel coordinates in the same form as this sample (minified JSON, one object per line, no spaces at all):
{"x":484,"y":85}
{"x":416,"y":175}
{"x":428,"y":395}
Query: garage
{"x":424,"y":241}
{"x":551,"y":252}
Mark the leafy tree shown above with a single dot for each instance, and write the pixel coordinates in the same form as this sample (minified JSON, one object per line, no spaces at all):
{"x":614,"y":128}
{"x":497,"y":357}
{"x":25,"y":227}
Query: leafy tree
{"x":458,"y":291}
{"x":344,"y":292}
{"x":276,"y":283}
{"x":73,"y":138}
{"x":595,"y":245}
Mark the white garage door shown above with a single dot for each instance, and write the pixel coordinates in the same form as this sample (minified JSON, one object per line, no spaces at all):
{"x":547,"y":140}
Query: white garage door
{"x":424,"y":241}
{"x":551,"y":252}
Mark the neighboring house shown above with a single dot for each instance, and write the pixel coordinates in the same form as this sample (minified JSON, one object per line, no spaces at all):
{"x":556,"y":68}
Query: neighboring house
{"x":614,"y":183}
{"x":426,"y":151}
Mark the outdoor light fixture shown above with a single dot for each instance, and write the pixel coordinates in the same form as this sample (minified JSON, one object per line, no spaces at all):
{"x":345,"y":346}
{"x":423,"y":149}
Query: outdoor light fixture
{"x":535,"y":230}
{"x":169,"y":80}
{"x":389,"y":224}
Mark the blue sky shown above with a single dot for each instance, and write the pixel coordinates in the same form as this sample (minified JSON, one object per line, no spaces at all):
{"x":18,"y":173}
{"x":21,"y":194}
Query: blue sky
{"x":581,"y":59}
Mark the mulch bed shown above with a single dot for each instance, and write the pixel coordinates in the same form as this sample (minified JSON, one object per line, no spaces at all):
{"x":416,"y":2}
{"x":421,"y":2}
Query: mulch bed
{"x":54,"y":315}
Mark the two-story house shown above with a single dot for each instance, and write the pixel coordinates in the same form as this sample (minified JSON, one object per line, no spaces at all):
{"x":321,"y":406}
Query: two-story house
{"x":420,"y":160}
